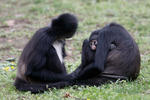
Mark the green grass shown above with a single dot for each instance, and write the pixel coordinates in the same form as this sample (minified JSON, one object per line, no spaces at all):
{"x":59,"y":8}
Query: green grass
{"x":29,"y":15}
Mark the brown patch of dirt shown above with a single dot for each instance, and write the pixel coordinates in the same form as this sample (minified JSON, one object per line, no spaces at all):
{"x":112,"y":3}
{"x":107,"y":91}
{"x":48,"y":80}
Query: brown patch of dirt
{"x":14,"y":24}
{"x":19,"y":21}
{"x":17,"y":43}
{"x":7,"y":45}
{"x":4,"y":26}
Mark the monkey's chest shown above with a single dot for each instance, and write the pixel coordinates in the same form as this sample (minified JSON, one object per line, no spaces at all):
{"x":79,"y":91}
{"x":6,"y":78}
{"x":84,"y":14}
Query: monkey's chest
{"x":58,"y":47}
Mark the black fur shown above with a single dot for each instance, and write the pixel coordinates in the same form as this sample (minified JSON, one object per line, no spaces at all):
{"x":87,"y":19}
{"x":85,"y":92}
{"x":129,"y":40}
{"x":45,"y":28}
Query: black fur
{"x":39,"y":63}
{"x":122,"y":61}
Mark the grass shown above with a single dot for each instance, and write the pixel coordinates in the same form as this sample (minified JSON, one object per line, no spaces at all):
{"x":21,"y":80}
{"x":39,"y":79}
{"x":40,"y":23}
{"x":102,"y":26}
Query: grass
{"x":19,"y":19}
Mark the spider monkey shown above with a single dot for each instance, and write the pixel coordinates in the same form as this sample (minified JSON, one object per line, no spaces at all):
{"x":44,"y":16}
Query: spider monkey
{"x":113,"y":52}
{"x":41,"y":61}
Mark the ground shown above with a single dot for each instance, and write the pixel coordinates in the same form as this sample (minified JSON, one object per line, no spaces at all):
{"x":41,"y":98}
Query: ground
{"x":19,"y":19}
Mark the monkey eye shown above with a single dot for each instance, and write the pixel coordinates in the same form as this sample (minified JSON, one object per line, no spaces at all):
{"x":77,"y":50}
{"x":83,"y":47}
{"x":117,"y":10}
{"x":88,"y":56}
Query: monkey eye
{"x":91,"y":43}
{"x":95,"y":42}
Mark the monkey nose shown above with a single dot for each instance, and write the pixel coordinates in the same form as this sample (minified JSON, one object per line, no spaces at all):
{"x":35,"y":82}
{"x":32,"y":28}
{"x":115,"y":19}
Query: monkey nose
{"x":93,"y":47}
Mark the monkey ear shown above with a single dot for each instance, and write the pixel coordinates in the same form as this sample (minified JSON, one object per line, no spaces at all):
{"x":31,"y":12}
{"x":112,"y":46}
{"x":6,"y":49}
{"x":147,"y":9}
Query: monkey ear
{"x":101,"y":52}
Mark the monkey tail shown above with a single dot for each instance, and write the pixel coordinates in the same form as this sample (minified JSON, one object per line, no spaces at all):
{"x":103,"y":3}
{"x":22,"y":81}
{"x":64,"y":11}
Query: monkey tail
{"x":21,"y":85}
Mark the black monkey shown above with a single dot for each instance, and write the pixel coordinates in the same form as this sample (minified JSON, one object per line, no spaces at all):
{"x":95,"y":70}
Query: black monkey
{"x":41,"y":61}
{"x":125,"y":59}
{"x":116,"y":57}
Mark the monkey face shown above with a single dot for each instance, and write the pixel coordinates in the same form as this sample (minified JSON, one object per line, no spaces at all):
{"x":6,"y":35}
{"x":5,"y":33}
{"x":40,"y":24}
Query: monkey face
{"x":93,"y":41}
{"x":93,"y":44}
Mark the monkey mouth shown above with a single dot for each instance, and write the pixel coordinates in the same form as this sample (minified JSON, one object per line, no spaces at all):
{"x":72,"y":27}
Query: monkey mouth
{"x":93,"y":47}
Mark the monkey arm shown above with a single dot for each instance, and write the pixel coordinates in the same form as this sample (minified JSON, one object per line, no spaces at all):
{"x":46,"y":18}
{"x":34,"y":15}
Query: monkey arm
{"x":87,"y":72}
{"x":101,"y":53}
{"x":104,"y":43}
{"x":76,"y":72}
{"x":48,"y":76}
{"x":53,"y":62}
